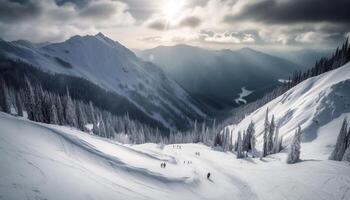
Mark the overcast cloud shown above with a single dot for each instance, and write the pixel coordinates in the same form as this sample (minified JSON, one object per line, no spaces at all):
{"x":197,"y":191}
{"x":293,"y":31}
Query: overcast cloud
{"x":140,"y":23}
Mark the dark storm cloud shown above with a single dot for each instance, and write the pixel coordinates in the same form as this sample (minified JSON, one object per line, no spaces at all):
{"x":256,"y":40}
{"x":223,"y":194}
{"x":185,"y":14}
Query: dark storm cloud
{"x":14,"y":11}
{"x":294,"y":11}
{"x":79,"y":3}
{"x":157,"y":25}
{"x":140,"y":9}
{"x":98,"y":10}
{"x":190,"y":21}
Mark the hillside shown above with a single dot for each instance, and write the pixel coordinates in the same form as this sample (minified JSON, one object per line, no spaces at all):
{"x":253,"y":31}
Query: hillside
{"x":112,"y":67}
{"x":318,"y":104}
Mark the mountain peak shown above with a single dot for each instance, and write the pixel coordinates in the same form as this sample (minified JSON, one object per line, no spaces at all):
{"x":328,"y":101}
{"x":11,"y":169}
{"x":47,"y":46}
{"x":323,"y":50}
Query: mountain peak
{"x":100,"y":35}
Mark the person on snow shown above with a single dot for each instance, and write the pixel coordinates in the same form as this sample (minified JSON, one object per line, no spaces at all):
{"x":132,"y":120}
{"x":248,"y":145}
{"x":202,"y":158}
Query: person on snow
{"x":208,"y":175}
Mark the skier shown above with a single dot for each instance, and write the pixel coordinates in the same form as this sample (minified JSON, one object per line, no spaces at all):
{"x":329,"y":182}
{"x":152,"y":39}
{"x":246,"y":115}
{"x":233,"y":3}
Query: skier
{"x":164,"y":165}
{"x":208,"y":175}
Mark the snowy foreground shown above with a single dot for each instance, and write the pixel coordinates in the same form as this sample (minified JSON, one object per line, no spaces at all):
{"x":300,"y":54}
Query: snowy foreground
{"x":40,"y":161}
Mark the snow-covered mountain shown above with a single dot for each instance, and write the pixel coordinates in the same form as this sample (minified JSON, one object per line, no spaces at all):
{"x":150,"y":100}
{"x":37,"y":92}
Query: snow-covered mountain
{"x":318,"y":104}
{"x":41,"y":161}
{"x":115,"y":68}
{"x":216,"y":77}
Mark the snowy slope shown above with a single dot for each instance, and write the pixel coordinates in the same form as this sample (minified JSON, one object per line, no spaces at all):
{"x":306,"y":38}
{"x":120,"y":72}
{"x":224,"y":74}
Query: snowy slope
{"x":113,"y":67}
{"x":318,"y":104}
{"x":40,"y":161}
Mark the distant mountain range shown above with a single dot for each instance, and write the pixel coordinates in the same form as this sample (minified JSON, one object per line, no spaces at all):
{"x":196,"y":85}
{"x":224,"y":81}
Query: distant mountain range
{"x":171,"y":86}
{"x":140,"y":86}
{"x":217,"y":77}
{"x":303,"y":57}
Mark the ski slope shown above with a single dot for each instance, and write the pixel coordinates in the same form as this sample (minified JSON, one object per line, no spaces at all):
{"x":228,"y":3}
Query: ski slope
{"x":40,"y":161}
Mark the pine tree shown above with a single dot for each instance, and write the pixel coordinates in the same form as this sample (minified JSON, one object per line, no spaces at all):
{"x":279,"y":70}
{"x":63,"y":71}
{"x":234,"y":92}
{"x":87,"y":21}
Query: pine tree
{"x":81,"y":117}
{"x":251,"y":131}
{"x":266,"y":132}
{"x":294,"y":153}
{"x":276,"y":141}
{"x":5,"y":97}
{"x":38,"y":107}
{"x":239,"y":146}
{"x":30,"y":99}
{"x":271,"y":135}
{"x":70,"y":114}
{"x":60,"y":110}
{"x":346,"y":156}
{"x":53,"y":114}
{"x":341,"y":144}
{"x":19,"y":104}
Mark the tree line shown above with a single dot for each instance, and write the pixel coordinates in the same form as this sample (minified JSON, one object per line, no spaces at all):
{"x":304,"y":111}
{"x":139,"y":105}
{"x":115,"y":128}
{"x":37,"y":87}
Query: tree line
{"x":40,"y":105}
{"x":245,"y":144}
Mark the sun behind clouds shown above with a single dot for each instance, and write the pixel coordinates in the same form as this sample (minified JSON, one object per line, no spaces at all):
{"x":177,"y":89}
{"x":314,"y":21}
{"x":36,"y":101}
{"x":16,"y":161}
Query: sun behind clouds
{"x":171,"y":9}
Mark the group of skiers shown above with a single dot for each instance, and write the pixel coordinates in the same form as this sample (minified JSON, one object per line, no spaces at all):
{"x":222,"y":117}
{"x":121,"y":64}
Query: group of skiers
{"x":177,"y":146}
{"x":162,"y":165}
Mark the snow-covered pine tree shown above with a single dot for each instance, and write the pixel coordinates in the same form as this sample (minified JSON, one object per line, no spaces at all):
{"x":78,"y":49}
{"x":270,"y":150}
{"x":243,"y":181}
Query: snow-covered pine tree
{"x":53,"y":114}
{"x":60,"y":110}
{"x":266,"y":132}
{"x":102,"y":127}
{"x":70,"y":114}
{"x":239,"y":146}
{"x":341,"y":144}
{"x":230,"y":144}
{"x":251,"y":131}
{"x":5,"y":101}
{"x":38,"y":107}
{"x":276,"y":141}
{"x":346,"y":156}
{"x":280,"y":143}
{"x":81,"y":116}
{"x":228,"y":140}
{"x":271,"y":135}
{"x":294,"y":153}
{"x":29,"y":100}
{"x":224,"y":142}
{"x":246,"y":140}
{"x":19,"y":103}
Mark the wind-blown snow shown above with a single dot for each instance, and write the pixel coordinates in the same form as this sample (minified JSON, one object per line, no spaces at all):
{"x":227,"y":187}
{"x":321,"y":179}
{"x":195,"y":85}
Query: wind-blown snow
{"x":243,"y":94}
{"x":40,"y":161}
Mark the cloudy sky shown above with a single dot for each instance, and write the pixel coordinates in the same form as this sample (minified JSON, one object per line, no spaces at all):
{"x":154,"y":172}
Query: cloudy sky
{"x":208,"y":23}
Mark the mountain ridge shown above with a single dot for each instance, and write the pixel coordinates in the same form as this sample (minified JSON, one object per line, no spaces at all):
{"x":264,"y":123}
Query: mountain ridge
{"x":112,"y":66}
